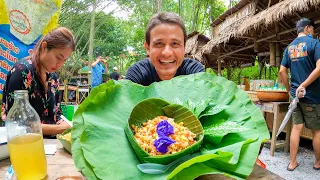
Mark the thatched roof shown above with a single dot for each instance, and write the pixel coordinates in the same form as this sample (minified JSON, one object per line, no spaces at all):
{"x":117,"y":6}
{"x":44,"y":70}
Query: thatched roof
{"x":269,"y":16}
{"x":229,"y":12}
{"x":194,"y":44}
{"x":276,"y":13}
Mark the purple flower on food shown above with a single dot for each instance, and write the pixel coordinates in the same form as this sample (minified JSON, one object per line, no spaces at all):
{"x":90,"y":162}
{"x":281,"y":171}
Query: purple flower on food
{"x":162,"y":144}
{"x":164,"y":128}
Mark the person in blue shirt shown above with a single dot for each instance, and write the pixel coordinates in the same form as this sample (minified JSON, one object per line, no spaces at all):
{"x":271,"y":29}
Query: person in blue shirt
{"x":97,"y":71}
{"x":302,"y":58}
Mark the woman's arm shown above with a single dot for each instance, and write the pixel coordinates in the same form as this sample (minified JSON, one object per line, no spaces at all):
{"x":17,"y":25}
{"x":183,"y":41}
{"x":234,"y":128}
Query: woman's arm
{"x":53,"y":129}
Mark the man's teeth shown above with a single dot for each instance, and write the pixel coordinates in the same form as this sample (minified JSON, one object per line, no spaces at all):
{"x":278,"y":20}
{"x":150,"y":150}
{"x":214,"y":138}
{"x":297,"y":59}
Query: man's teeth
{"x":166,"y":62}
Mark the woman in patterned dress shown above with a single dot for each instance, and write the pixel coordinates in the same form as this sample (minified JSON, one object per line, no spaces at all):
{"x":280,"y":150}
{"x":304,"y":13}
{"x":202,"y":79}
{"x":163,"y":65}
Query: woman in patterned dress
{"x":36,"y":73}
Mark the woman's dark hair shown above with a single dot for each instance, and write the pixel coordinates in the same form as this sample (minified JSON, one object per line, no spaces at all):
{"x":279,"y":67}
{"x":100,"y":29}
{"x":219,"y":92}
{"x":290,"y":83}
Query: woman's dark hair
{"x":60,"y":37}
{"x":165,"y":18}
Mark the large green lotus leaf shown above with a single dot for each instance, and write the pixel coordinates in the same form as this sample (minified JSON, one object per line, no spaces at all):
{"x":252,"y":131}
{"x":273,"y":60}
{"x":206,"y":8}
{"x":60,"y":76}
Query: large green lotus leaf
{"x":215,"y":132}
{"x":102,"y":151}
{"x":153,"y":107}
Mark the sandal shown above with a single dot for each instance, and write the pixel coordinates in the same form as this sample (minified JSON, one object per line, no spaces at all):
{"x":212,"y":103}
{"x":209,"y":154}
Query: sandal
{"x":293,"y":168}
{"x":318,"y":168}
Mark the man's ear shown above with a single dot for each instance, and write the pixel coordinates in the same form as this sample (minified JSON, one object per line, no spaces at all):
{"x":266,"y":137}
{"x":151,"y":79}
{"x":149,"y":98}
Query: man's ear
{"x":44,"y":45}
{"x":146,"y":45}
{"x":306,"y":30}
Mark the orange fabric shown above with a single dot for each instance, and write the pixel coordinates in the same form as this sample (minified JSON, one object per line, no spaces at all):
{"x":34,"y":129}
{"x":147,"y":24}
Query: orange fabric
{"x":260,"y":163}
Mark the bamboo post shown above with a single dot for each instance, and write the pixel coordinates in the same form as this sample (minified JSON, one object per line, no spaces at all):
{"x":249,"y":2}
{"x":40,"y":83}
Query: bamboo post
{"x":265,"y":72}
{"x":229,"y":71}
{"x":219,"y":66}
{"x":270,"y":72}
{"x":278,"y":55}
{"x":272,"y":54}
{"x":256,"y":44}
{"x":278,"y":47}
{"x":260,"y":65}
{"x":91,"y":38}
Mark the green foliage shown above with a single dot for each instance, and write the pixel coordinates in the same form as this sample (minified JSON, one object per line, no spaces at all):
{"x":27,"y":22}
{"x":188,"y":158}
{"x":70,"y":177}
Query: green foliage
{"x":113,"y":35}
{"x":253,"y":73}
{"x":197,"y":16}
{"x":211,"y":71}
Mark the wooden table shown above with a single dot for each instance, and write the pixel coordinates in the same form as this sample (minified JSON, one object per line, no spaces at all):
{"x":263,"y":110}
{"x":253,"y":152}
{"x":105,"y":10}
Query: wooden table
{"x":279,"y":110}
{"x":62,"y":165}
{"x":59,"y":165}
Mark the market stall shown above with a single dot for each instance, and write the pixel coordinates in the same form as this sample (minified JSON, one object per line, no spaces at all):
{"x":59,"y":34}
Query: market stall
{"x":259,"y":31}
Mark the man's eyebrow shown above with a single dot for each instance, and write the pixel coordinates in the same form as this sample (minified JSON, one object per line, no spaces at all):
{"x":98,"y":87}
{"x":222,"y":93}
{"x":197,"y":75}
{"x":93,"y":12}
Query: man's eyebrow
{"x":156,"y":40}
{"x":177,"y":40}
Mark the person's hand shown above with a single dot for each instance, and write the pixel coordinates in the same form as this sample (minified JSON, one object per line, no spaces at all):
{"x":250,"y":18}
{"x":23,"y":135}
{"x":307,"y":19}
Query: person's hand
{"x":299,"y":91}
{"x":99,"y":59}
{"x":64,"y":126}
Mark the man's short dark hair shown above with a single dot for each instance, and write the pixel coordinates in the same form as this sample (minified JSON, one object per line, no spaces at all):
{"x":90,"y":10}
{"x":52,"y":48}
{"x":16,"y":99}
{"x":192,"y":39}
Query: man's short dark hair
{"x":165,"y":18}
{"x":302,"y":23}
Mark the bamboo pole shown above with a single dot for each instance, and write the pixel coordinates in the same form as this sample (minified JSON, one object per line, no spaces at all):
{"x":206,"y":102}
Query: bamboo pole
{"x":91,"y":39}
{"x":272,"y":61}
{"x":219,"y":66}
{"x":229,"y":71}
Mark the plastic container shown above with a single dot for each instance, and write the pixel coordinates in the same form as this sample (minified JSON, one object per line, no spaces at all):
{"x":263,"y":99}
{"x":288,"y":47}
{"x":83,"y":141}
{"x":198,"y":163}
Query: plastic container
{"x":68,"y":111}
{"x":25,"y":141}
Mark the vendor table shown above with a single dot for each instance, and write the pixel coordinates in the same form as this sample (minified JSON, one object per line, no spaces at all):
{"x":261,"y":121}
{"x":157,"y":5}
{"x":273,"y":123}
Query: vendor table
{"x":61,"y":166}
{"x":279,"y":110}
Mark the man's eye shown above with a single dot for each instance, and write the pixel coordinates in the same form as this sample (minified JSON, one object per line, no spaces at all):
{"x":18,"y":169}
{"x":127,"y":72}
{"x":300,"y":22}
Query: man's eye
{"x":175,"y":44}
{"x":158,"y":44}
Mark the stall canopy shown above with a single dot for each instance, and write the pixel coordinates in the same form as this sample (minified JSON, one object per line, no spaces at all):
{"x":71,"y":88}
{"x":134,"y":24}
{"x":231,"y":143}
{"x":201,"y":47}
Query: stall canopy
{"x":256,"y":29}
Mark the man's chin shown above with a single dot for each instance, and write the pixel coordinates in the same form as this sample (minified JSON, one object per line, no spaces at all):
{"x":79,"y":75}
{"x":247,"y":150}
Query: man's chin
{"x":166,"y":75}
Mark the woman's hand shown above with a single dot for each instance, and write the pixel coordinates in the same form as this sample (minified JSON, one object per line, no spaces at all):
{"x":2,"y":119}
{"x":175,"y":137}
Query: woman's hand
{"x":54,"y":129}
{"x":64,"y":126}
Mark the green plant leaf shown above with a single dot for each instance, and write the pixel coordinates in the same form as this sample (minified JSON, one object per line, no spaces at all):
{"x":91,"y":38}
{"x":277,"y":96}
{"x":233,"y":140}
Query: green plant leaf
{"x":153,"y":107}
{"x":101,"y":149}
{"x":213,"y":109}
{"x":219,"y":128}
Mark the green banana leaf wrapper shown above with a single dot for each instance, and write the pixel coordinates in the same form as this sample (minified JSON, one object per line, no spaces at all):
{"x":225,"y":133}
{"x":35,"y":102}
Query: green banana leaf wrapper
{"x":66,"y":144}
{"x":233,"y":128}
{"x":153,"y":107}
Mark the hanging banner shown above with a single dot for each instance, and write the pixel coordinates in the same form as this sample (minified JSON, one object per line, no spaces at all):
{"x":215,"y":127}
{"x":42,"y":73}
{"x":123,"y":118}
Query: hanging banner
{"x":22,"y":24}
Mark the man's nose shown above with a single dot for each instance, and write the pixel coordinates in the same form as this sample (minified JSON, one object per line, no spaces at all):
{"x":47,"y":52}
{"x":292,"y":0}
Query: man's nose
{"x":59,"y":65}
{"x":167,"y":51}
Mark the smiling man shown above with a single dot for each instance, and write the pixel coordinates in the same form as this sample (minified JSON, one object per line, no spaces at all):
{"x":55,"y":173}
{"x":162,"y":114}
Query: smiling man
{"x":165,"y":45}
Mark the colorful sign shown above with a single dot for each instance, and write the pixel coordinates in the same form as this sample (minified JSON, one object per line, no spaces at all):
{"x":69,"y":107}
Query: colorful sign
{"x":22,"y":24}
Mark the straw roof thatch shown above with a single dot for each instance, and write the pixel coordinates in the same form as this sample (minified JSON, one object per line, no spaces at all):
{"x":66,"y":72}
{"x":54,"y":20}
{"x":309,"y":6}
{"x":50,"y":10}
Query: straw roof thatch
{"x":191,"y":43}
{"x":266,"y":17}
{"x":276,"y":13}
{"x":194,"y":44}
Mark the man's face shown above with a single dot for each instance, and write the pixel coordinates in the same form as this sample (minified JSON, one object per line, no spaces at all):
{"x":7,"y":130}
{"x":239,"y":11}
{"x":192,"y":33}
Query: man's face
{"x":310,"y":30}
{"x":166,"y":49}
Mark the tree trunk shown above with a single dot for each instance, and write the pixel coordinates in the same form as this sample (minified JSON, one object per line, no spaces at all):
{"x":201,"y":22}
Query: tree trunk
{"x":180,"y":8}
{"x":158,"y":5}
{"x":196,"y":15}
{"x":91,"y":39}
